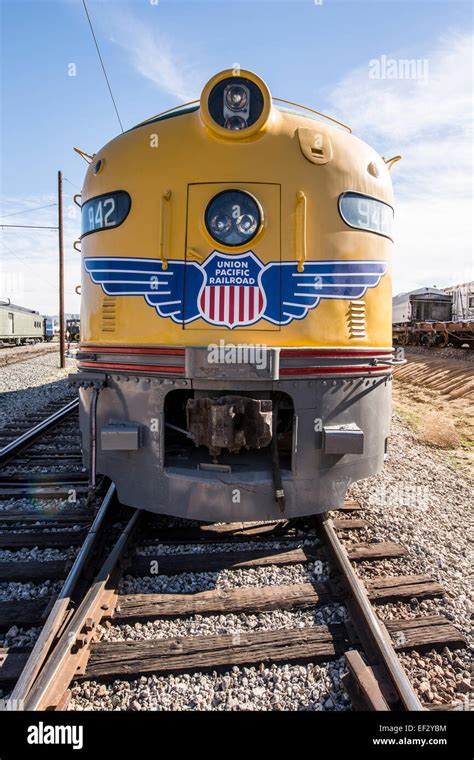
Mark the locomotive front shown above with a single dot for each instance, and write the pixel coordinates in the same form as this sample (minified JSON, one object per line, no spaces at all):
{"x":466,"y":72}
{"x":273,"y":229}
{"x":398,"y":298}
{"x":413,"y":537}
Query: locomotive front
{"x":236,"y":309}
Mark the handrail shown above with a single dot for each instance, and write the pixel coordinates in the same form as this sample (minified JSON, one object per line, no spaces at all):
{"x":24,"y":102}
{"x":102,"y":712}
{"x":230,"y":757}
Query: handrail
{"x":279,"y":100}
{"x":86,"y":156}
{"x":169,"y":110}
{"x":391,"y":161}
{"x":300,"y":231}
{"x":312,"y":110}
{"x":165,"y":198}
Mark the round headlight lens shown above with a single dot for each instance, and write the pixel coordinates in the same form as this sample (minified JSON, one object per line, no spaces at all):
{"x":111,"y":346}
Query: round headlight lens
{"x":220,"y":225}
{"x":236,"y":97}
{"x":233,"y":217}
{"x":246,"y":224}
{"x":235,"y":122}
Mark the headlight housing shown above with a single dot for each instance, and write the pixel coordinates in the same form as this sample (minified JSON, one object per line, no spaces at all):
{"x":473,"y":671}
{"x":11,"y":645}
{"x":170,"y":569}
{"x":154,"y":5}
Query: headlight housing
{"x":235,"y":106}
{"x":233,"y":217}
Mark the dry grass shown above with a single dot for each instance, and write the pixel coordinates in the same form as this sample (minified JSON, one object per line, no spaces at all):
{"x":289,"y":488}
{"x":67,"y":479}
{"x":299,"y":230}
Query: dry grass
{"x":439,"y":430}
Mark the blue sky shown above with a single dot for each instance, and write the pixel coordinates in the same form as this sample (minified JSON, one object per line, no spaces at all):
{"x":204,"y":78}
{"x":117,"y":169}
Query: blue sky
{"x":158,"y":55}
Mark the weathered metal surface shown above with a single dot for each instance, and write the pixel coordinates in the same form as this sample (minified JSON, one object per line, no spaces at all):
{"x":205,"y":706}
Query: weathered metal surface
{"x":229,"y":422}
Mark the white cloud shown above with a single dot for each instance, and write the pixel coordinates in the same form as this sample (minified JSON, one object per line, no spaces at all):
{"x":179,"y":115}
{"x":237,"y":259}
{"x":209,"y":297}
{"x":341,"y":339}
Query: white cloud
{"x":29,"y":258}
{"x":428,"y":122}
{"x":154,"y":58}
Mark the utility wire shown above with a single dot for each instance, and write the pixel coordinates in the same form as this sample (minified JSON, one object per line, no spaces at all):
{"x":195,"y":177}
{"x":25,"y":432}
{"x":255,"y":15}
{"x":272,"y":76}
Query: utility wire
{"x":102,"y":62}
{"x":27,"y":211}
{"x":29,"y":226}
{"x":71,"y":183}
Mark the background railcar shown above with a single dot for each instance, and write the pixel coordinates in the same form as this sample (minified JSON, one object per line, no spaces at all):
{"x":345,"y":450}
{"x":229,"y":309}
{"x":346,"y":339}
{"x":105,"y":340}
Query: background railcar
{"x":431,"y":317}
{"x":19,"y":325}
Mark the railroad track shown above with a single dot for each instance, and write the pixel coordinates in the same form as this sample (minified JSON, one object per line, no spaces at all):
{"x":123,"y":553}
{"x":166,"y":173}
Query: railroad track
{"x":23,"y":353}
{"x":73,"y":646}
{"x":97,"y":543}
{"x":35,"y":439}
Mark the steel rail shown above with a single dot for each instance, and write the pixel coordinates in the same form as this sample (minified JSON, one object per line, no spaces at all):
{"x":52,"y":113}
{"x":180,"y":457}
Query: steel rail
{"x":27,"y":438}
{"x":60,"y":667}
{"x":378,"y":635}
{"x":56,"y":616}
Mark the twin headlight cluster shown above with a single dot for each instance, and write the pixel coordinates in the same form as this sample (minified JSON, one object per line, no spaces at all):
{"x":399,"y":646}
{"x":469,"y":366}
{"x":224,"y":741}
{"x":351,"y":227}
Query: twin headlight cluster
{"x":235,"y":103}
{"x":233,"y":217}
{"x":235,"y":106}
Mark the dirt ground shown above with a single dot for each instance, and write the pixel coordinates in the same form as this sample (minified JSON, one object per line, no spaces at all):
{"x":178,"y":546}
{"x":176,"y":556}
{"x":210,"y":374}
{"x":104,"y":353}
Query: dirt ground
{"x":434,"y":395}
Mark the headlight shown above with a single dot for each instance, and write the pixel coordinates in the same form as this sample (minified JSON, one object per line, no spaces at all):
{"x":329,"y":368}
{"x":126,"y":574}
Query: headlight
{"x":235,"y":122}
{"x":236,"y":97}
{"x":235,"y":103}
{"x":233,"y":217}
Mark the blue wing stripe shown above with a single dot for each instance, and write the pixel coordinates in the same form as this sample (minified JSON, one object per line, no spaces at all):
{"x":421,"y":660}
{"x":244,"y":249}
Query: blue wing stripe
{"x":107,"y":264}
{"x":162,"y":289}
{"x":337,"y":267}
{"x":291,"y":294}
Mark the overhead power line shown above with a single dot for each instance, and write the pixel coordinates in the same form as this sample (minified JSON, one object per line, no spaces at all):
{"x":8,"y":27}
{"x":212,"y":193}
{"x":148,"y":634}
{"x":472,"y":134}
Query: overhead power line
{"x":102,"y":63}
{"x":71,"y":183}
{"x":29,"y":226}
{"x":27,"y":210}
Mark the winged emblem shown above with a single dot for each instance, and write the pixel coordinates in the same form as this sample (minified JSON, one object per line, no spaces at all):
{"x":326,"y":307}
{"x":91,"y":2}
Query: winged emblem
{"x":234,"y":290}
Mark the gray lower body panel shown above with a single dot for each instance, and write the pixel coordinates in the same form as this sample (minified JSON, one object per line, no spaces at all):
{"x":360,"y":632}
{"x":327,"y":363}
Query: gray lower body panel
{"x":331,"y":414}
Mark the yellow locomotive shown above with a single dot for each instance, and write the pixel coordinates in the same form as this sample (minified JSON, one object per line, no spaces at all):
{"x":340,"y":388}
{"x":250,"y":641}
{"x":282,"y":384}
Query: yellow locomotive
{"x":236,"y":351}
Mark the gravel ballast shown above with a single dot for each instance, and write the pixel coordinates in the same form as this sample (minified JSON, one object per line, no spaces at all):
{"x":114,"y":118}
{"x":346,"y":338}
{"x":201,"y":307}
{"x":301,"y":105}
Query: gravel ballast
{"x":30,"y":385}
{"x":279,"y":687}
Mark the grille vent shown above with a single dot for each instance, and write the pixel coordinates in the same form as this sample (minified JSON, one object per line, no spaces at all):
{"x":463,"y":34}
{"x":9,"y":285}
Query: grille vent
{"x":356,"y":319}
{"x":109,"y":306}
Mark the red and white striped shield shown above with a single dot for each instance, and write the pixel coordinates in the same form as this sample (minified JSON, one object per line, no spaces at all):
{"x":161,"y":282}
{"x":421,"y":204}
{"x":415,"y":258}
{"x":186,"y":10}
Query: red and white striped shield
{"x":231,"y":294}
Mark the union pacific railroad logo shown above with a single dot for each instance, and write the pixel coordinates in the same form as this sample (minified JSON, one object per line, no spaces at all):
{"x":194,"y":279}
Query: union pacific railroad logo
{"x":234,"y":290}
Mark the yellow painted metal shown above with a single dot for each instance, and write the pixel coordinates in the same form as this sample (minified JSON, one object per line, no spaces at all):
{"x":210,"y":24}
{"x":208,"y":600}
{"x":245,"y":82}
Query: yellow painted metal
{"x":188,"y":161}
